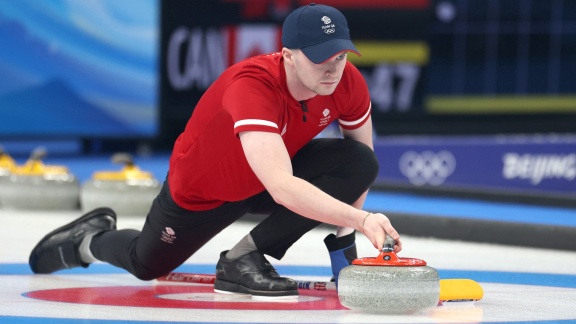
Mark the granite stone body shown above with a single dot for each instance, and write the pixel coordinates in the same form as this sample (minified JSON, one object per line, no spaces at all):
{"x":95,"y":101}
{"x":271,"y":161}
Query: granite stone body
{"x":126,"y":197}
{"x":4,"y":178}
{"x":40,"y":192}
{"x":388,"y":289}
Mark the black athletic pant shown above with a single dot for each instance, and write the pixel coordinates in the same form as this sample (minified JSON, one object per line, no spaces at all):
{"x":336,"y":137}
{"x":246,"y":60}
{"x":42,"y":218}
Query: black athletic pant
{"x":343,"y":168}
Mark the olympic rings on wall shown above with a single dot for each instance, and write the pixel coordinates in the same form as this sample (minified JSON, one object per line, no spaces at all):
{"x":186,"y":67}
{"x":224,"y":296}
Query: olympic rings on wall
{"x":427,"y":167}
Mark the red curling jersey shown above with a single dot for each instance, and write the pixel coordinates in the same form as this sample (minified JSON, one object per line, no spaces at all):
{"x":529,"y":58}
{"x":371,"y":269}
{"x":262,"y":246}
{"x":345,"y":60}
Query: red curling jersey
{"x":208,"y":166}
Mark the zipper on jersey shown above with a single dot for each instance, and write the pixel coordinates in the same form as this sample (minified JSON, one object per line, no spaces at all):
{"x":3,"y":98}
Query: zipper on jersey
{"x":304,"y":110}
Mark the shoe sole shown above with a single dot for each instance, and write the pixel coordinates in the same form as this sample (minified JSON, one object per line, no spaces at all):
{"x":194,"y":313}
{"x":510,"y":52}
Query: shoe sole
{"x":95,"y":213}
{"x":225,"y":287}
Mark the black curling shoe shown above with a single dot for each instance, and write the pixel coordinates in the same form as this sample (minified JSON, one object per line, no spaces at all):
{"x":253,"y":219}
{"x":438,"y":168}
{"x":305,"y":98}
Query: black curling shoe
{"x":59,"y":249}
{"x":252,"y":274}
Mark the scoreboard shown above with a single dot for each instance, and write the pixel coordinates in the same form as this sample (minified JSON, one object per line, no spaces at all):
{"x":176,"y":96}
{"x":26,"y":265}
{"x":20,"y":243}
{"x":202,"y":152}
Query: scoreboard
{"x":432,"y":66}
{"x":199,"y":39}
{"x":501,"y":66}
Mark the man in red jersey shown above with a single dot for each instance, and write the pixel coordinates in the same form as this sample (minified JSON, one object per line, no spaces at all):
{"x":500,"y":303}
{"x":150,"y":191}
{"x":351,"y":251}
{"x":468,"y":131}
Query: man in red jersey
{"x":250,"y":147}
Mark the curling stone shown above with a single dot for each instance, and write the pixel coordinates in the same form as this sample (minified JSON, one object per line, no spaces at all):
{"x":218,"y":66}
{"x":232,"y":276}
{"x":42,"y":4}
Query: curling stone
{"x":388,"y":284}
{"x":129,"y":191}
{"x":7,"y":165}
{"x":36,"y":186}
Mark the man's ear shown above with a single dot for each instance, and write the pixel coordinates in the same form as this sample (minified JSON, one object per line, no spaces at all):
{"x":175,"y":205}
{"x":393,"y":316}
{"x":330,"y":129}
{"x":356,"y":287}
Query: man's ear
{"x":288,"y":55}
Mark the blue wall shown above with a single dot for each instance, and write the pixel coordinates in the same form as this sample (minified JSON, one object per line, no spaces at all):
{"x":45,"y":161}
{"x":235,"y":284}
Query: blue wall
{"x":78,"y":68}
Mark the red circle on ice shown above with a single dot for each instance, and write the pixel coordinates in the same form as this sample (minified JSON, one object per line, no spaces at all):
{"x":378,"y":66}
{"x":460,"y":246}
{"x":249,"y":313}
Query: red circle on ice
{"x":173,"y":296}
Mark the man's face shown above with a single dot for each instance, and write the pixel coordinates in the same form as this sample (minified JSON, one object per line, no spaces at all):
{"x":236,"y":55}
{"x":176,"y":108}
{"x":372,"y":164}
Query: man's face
{"x":322,"y":78}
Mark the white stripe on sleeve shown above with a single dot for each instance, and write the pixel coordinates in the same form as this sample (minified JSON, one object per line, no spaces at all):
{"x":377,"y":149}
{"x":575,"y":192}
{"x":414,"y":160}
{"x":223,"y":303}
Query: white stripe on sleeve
{"x":356,"y":122}
{"x":260,"y":122}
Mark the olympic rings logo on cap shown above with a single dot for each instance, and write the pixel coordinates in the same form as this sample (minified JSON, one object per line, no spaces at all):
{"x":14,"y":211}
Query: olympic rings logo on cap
{"x":427,"y":167}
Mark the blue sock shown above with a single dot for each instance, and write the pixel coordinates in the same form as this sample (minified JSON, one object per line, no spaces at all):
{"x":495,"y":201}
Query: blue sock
{"x":342,"y":252}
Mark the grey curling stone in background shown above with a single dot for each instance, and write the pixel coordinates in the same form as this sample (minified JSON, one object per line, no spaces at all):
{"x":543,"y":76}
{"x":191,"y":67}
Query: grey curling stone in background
{"x":35,"y":186}
{"x":129,"y":191}
{"x":388,"y":284}
{"x":7,"y":165}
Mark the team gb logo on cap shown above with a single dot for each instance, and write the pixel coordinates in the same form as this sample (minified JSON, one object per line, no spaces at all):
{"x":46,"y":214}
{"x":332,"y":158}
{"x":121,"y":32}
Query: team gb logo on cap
{"x":328,"y":28}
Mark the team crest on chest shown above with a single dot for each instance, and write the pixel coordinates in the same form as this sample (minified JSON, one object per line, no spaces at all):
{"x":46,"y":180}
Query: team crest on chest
{"x":326,"y":119}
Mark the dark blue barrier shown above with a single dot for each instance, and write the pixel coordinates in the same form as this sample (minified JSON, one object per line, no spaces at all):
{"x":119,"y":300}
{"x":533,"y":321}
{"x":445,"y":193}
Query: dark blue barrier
{"x":529,"y":164}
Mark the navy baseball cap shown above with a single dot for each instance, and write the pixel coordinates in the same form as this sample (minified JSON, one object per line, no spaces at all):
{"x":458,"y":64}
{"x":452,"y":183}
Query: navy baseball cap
{"x":320,"y":31}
